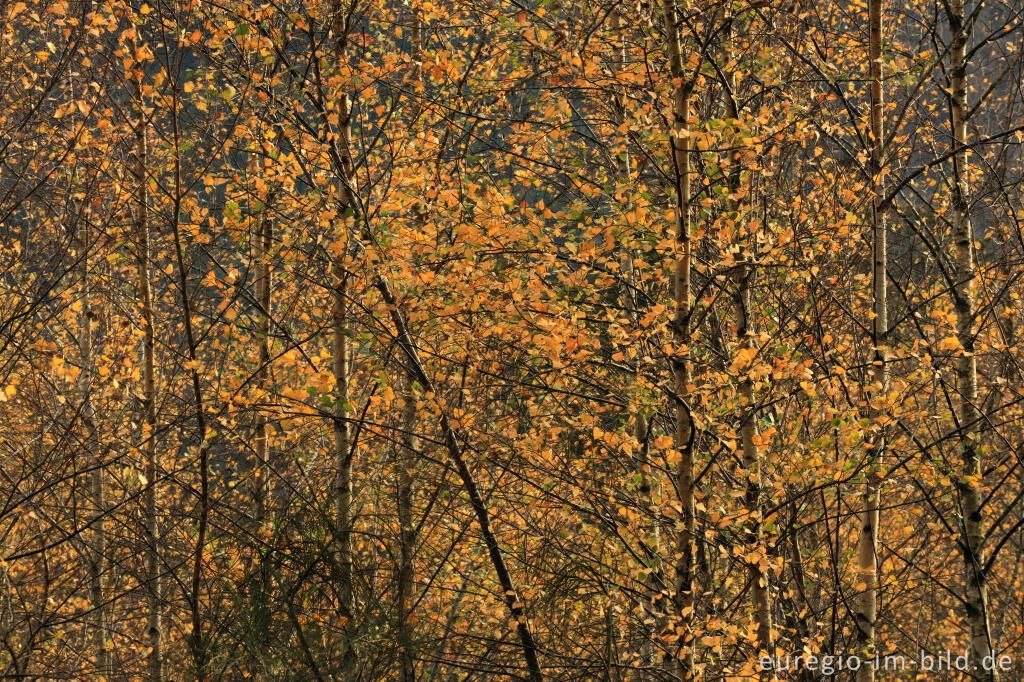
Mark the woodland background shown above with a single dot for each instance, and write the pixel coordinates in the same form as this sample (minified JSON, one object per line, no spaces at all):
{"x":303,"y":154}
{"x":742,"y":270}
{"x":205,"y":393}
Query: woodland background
{"x":509,"y":339}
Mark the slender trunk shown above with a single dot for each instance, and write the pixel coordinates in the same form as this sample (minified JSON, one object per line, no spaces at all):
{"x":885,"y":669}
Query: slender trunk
{"x":98,"y":542}
{"x":759,"y":572}
{"x":627,"y":289}
{"x":804,"y":615}
{"x":865,"y":606}
{"x":451,"y":443}
{"x":681,"y":662}
{"x":636,"y":414}
{"x":406,"y":574}
{"x":743,"y":275}
{"x":151,"y":539}
{"x":344,"y":449}
{"x":971,"y":494}
{"x":199,"y":644}
{"x":408,"y":450}
{"x":97,"y":546}
{"x":263,"y":240}
{"x":342,"y":452}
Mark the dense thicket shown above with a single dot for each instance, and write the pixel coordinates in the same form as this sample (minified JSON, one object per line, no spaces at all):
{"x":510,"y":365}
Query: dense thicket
{"x":510,"y":339}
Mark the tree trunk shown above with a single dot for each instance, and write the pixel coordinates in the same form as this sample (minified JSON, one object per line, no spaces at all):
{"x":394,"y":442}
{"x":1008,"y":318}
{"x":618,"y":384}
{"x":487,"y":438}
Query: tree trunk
{"x":342,"y":454}
{"x":150,"y":500}
{"x":743,"y":275}
{"x":263,"y":240}
{"x":344,"y":449}
{"x":681,"y":662}
{"x":407,"y":530}
{"x":637,"y":418}
{"x":759,"y":576}
{"x":198,"y":640}
{"x":804,"y":615}
{"x":97,"y":546}
{"x":865,"y":605}
{"x":971,"y":494}
{"x":408,"y":451}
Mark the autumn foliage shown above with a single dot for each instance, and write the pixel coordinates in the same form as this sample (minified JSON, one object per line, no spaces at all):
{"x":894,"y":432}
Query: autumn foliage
{"x":532,"y":339}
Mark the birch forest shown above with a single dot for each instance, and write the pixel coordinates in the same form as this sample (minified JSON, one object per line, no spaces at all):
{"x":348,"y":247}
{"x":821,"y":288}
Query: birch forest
{"x":469,"y":340}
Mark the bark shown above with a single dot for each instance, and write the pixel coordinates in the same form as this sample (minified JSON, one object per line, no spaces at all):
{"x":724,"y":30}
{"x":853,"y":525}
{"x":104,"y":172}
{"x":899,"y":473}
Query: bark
{"x":971,"y":494}
{"x":747,"y":412}
{"x":743,"y":276}
{"x":344,"y":448}
{"x":263,"y":240}
{"x":865,"y":604}
{"x":343,"y":453}
{"x":97,"y":546}
{"x":407,"y":453}
{"x":681,"y":662}
{"x":150,"y":495}
{"x":197,"y":638}
{"x":406,"y":574}
{"x":637,"y":417}
{"x":805,"y":625}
